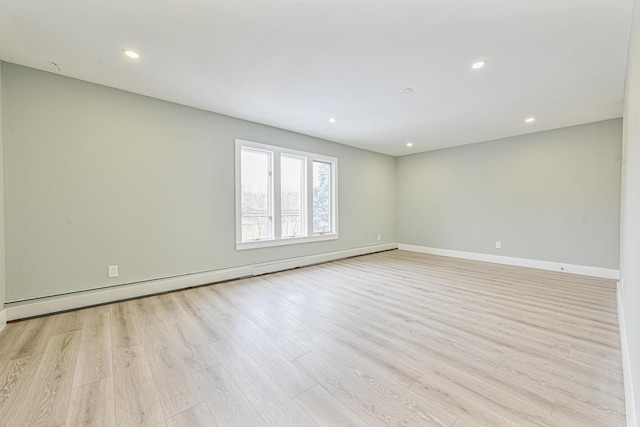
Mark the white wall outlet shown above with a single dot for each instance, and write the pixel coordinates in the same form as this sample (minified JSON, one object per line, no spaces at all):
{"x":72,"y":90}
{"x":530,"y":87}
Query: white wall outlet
{"x":113,"y":271}
{"x":498,"y":245}
{"x":378,"y":237}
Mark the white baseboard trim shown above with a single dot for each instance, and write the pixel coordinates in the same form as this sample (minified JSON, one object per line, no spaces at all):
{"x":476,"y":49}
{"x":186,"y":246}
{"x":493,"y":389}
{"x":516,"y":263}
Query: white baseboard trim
{"x":584,"y":270}
{"x":3,"y":319}
{"x":630,"y":406}
{"x":38,"y":307}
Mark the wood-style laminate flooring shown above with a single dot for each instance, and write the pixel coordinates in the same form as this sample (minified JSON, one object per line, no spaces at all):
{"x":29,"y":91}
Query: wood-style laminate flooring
{"x":389,"y":339}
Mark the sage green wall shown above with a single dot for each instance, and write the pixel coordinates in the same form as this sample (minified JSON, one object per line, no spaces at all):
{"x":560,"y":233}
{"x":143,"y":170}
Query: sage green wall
{"x":549,"y":196}
{"x":97,"y":176}
{"x":630,"y":223}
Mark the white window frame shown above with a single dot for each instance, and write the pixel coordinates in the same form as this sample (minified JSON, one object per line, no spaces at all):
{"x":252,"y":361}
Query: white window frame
{"x":277,"y":239}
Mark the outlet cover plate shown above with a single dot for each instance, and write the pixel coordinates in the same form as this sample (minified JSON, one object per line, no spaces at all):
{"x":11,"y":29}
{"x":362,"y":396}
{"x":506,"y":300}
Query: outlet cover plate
{"x":113,"y":271}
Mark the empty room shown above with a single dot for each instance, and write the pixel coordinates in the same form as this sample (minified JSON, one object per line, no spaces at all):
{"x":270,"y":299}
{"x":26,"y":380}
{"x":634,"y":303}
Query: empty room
{"x":305,"y":213}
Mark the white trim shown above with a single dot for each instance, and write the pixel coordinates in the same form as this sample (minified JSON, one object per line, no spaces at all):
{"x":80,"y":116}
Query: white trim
{"x":37,"y":307}
{"x":584,"y":270}
{"x":626,"y":365}
{"x":3,"y":319}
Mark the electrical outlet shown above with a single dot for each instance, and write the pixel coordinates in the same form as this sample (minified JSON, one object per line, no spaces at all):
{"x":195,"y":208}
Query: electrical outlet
{"x":498,"y":245}
{"x":113,"y":271}
{"x":378,"y":237}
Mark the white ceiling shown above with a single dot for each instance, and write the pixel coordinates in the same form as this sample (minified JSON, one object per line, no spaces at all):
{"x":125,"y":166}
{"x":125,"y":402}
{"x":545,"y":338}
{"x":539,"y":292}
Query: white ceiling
{"x":293,"y":64}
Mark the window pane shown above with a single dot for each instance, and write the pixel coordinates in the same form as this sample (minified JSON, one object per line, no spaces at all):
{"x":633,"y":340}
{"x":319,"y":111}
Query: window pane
{"x":321,"y":197}
{"x":292,"y":196}
{"x":256,"y":194}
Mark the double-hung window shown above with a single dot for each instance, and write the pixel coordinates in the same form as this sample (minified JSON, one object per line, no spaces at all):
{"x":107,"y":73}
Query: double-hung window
{"x":283,"y":196}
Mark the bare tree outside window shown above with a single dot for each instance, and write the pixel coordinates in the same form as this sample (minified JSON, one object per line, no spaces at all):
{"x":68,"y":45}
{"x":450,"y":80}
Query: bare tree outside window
{"x":321,"y":197}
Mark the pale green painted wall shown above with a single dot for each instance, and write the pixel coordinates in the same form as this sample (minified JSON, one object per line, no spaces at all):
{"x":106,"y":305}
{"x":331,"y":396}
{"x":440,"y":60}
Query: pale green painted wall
{"x":97,"y":176}
{"x":549,"y":196}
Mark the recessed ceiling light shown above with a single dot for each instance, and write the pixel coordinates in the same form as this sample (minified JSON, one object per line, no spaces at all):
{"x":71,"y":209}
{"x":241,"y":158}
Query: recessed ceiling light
{"x":479,"y":64}
{"x":530,"y":119}
{"x":131,"y":53}
{"x":332,"y":120}
{"x":406,"y":91}
{"x":409,"y":144}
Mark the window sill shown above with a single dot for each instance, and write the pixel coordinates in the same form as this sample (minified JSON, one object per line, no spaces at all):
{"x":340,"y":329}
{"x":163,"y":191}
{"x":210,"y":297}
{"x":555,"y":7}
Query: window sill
{"x":241,"y":246}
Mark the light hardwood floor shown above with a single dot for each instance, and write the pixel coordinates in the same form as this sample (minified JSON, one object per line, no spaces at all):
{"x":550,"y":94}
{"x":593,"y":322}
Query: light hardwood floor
{"x":394,"y":338}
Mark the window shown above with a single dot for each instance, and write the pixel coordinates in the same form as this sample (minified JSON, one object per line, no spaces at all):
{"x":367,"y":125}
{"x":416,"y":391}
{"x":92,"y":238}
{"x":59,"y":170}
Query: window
{"x":283,"y":196}
{"x":292,"y":192}
{"x":256,"y":194}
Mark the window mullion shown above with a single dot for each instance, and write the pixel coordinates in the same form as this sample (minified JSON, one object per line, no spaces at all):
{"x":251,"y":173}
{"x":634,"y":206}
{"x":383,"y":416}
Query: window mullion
{"x":304,"y":202}
{"x":276,"y":206}
{"x":309,"y":195}
{"x":334,"y":198}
